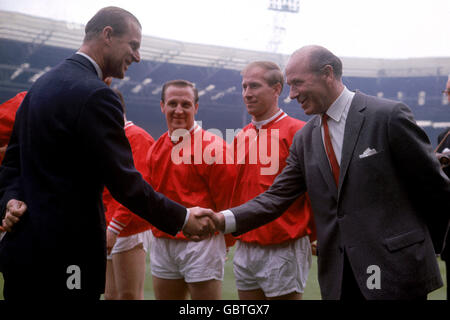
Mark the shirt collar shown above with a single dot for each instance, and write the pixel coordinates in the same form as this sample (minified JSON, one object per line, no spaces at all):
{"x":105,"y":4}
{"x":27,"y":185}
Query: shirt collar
{"x":259,"y":124}
{"x":96,"y":66}
{"x":128,"y":124}
{"x":338,"y":107}
{"x":176,"y":137}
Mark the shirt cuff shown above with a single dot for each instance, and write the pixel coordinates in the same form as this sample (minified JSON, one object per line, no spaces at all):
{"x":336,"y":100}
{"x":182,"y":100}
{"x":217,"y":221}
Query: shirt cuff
{"x":186,"y":219}
{"x":2,"y":234}
{"x":230,"y":221}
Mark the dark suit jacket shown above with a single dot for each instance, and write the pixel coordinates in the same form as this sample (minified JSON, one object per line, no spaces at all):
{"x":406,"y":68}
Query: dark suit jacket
{"x":383,"y":210}
{"x":445,"y":255}
{"x":445,"y":144}
{"x":68,"y":142}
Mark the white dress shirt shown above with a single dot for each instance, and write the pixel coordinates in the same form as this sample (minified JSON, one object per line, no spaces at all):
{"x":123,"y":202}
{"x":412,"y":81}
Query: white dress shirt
{"x":337,"y":117}
{"x":337,"y":114}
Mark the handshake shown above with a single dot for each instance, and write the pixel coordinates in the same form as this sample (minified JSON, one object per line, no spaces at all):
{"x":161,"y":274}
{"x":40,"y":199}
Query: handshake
{"x":203,"y":223}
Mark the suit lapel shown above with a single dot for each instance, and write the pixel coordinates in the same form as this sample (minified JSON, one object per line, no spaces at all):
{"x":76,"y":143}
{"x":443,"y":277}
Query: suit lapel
{"x":355,"y":120}
{"x":321,"y":156}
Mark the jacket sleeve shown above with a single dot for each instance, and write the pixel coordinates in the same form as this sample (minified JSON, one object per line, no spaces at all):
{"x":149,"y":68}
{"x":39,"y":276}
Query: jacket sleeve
{"x":10,"y":174}
{"x":140,"y":145}
{"x":100,"y":127}
{"x":10,"y":178}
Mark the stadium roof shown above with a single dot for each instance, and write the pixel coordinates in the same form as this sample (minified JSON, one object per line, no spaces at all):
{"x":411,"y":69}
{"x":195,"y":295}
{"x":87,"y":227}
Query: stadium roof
{"x":43,"y":31}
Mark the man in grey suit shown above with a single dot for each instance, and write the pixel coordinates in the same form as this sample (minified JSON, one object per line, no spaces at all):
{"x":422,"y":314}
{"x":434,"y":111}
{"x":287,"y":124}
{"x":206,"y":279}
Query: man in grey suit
{"x":381,"y":202}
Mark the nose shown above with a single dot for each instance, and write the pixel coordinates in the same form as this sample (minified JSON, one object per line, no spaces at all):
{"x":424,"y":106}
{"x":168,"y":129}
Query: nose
{"x":136,"y":56}
{"x":178,"y":109}
{"x":293,"y":93}
{"x":246,"y":92}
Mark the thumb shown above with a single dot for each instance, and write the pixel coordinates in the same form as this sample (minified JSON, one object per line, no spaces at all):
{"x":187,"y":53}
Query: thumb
{"x":19,"y":208}
{"x":203,"y":212}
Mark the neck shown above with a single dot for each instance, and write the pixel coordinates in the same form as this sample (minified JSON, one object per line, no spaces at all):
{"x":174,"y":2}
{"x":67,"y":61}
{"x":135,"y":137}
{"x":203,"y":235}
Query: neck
{"x":335,"y":93}
{"x":171,"y":129}
{"x":95,"y":54}
{"x":269,"y":114}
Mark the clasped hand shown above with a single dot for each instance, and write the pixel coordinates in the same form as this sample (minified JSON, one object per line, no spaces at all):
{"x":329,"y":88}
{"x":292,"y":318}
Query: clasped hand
{"x":203,"y":223}
{"x":444,"y":159}
{"x":14,"y":210}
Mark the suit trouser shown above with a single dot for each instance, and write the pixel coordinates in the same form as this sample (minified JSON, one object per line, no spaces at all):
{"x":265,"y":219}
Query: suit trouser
{"x":447,"y":272}
{"x":350,"y":289}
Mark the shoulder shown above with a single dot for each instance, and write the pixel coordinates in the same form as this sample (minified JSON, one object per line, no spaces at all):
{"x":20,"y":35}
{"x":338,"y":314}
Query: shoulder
{"x":292,"y":125}
{"x":161,"y":142}
{"x":73,"y":80}
{"x":293,"y":121}
{"x":160,"y":147}
{"x":376,"y":104}
{"x":307,"y":127}
{"x":379,"y":109}
{"x":134,"y":130}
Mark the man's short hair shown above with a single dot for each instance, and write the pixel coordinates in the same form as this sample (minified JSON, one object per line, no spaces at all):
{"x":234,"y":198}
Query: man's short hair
{"x":115,"y":17}
{"x":179,"y":83}
{"x":321,"y":57}
{"x":273,"y":74}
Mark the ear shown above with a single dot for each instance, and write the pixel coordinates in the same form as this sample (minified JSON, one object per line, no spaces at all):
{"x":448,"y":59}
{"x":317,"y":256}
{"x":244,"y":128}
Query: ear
{"x":107,"y":34}
{"x":196,"y":108}
{"x":161,"y":103}
{"x":328,"y":72}
{"x":277,"y":88}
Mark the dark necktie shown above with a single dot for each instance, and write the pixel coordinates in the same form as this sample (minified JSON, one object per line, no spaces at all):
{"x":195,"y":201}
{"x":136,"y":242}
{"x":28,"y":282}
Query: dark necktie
{"x":329,"y":148}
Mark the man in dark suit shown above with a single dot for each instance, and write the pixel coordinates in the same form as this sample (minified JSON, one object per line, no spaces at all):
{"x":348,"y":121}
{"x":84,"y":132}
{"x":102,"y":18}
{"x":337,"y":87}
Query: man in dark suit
{"x":443,"y":154}
{"x":376,"y":189}
{"x":68,"y":142}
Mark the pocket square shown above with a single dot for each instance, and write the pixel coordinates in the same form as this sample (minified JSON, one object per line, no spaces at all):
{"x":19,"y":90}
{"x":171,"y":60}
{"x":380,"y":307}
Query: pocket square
{"x":367,"y":153}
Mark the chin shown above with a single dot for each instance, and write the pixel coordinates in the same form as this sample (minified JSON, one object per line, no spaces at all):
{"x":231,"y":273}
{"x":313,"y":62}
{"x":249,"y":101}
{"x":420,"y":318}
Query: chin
{"x":179,"y":126}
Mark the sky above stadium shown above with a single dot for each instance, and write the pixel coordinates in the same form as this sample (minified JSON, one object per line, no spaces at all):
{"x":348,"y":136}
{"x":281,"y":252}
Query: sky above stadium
{"x":350,"y":28}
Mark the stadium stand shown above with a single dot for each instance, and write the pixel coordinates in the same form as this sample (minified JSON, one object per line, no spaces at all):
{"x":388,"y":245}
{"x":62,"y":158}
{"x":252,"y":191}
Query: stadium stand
{"x":32,"y":45}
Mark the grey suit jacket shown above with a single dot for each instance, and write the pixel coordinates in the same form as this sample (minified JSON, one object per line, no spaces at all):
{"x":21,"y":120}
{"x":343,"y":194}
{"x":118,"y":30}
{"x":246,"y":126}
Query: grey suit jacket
{"x":386,"y":210}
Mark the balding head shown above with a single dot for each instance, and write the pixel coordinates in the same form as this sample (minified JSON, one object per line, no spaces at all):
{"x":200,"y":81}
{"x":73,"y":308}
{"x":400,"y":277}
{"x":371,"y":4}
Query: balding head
{"x":314,"y":74}
{"x":115,"y":17}
{"x":318,"y":58}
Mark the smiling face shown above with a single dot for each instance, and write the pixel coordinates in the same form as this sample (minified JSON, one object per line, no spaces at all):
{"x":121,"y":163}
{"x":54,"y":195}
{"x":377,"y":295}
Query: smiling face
{"x":310,"y":89}
{"x":315,"y":91}
{"x":123,"y":50}
{"x":260,"y":98}
{"x":179,"y":107}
